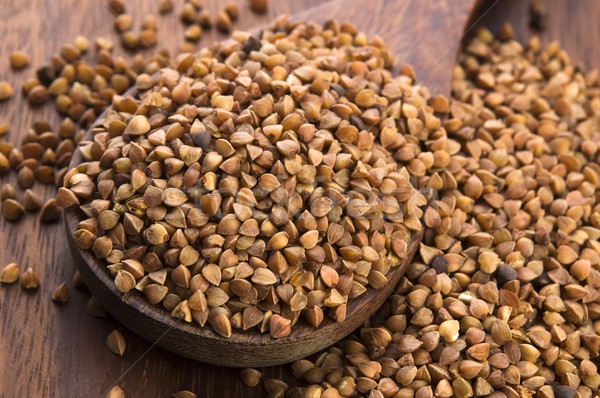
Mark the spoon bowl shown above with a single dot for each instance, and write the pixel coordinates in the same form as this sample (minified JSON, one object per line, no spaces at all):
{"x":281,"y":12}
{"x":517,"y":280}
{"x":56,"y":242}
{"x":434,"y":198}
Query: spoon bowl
{"x":399,"y":23}
{"x":242,"y":349}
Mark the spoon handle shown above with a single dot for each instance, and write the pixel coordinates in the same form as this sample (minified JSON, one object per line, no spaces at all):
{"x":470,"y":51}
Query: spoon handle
{"x":424,"y":34}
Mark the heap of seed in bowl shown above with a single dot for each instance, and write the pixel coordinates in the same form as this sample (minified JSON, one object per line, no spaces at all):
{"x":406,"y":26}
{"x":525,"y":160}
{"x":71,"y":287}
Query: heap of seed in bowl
{"x":261,"y":180}
{"x":515,"y":311}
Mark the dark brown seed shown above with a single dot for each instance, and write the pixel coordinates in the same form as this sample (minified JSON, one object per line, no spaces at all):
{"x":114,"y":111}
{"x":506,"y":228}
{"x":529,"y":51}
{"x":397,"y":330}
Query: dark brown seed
{"x":77,"y":281}
{"x":564,"y":392}
{"x":223,"y":22}
{"x":506,"y":273}
{"x":259,"y":6}
{"x":117,"y":6}
{"x":31,"y":200}
{"x":440,"y":264}
{"x":37,"y":95}
{"x":11,"y":209}
{"x":538,"y":15}
{"x":25,"y":178}
{"x":8,"y":192}
{"x":231,"y":9}
{"x":51,"y":212}
{"x":94,"y":308}
{"x":205,"y":19}
{"x":61,"y":294}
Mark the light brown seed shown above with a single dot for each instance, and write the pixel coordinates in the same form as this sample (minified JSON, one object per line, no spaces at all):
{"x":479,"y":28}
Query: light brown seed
{"x":500,"y":361}
{"x":61,"y":293}
{"x":181,"y":276}
{"x":7,"y":192}
{"x":500,"y":332}
{"x":65,"y":198}
{"x":566,"y":255}
{"x":278,"y":241}
{"x":449,"y":330}
{"x":30,"y":280}
{"x":12,"y":209}
{"x":276,"y":388}
{"x":220,"y":324}
{"x":182,"y":311}
{"x":279,"y":326}
{"x":6,"y":90}
{"x":37,"y":95}
{"x":314,"y":316}
{"x":329,"y":276}
{"x":251,"y":317}
{"x":165,"y":6}
{"x":18,"y":60}
{"x":10,"y":273}
{"x":155,"y":293}
{"x":115,"y":392}
{"x":479,"y":351}
{"x":25,"y":178}
{"x":124,"y":281}
{"x":5,"y":163}
{"x":4,"y":128}
{"x":408,"y":343}
{"x":250,"y":377}
{"x":116,"y":343}
{"x":264,"y":276}
{"x":31,"y":200}
{"x":469,"y":369}
{"x":81,"y":43}
{"x":138,"y":125}
{"x":156,"y":234}
{"x":123,"y":22}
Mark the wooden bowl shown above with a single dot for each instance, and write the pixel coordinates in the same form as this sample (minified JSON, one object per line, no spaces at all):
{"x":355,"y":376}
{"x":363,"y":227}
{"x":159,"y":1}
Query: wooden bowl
{"x":243,"y":348}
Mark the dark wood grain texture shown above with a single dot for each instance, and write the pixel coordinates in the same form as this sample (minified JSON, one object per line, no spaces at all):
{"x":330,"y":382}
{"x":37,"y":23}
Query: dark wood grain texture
{"x":58,"y":351}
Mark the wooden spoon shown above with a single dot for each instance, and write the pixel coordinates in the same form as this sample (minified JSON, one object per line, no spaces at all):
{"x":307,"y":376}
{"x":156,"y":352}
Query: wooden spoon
{"x":422,"y":33}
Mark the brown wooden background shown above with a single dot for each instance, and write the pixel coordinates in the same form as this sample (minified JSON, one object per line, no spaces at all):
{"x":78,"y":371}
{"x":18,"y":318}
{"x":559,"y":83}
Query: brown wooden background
{"x":59,"y":351}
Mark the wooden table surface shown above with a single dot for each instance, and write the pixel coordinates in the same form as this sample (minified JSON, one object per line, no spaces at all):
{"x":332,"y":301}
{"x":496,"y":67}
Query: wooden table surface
{"x":49,"y":350}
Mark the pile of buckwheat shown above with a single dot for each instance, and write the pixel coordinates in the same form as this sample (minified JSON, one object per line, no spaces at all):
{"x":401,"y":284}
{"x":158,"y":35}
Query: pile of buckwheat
{"x":504,"y":301}
{"x":266,"y":181}
{"x":257,"y":181}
